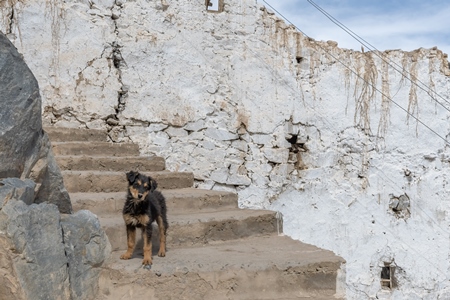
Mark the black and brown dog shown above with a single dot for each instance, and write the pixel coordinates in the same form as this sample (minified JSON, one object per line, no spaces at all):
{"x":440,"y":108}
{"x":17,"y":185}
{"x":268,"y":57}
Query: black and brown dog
{"x":143,"y":206}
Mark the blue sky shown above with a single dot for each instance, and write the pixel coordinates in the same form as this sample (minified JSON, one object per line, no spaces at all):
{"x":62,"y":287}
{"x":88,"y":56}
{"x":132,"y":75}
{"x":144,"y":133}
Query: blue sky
{"x":393,"y":24}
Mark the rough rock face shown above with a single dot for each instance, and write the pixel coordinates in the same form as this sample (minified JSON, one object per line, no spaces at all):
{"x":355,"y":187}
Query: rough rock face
{"x":10,"y":286}
{"x":250,"y":104}
{"x":37,"y":260}
{"x":24,"y":147}
{"x":86,"y":246}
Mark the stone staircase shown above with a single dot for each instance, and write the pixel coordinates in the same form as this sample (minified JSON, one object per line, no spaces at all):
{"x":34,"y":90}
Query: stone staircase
{"x":214,"y":249}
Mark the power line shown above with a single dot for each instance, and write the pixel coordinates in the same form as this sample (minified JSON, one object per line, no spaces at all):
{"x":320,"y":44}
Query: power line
{"x":372,"y":48}
{"x":274,"y":73}
{"x":360,"y":77}
{"x":390,"y":100}
{"x":356,"y":200}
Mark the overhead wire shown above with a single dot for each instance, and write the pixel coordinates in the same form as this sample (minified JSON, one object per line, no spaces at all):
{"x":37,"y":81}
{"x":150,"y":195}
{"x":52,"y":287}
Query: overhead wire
{"x":417,"y":119}
{"x":274,"y":73}
{"x":362,"y":78}
{"x":365,"y":43}
{"x":413,"y":79}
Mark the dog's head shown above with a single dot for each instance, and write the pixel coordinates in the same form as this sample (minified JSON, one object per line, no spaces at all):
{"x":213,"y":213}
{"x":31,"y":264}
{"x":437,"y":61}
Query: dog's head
{"x":139,"y":185}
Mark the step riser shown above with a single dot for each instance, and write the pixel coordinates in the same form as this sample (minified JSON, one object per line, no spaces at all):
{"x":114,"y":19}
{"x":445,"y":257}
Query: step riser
{"x":108,"y":183}
{"x":236,"y":284}
{"x":114,"y":204}
{"x":214,"y":250}
{"x":120,"y":164}
{"x":75,"y":135}
{"x":95,"y":149}
{"x":185,"y":235}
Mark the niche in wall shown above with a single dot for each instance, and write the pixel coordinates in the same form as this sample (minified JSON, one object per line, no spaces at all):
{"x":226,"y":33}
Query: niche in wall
{"x":214,"y":5}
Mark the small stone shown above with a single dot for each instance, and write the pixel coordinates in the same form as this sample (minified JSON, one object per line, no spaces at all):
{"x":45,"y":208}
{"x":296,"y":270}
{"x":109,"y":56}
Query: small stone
{"x":220,"y":134}
{"x":112,"y":122}
{"x":176,"y":132}
{"x":195,"y":126}
{"x":276,"y":155}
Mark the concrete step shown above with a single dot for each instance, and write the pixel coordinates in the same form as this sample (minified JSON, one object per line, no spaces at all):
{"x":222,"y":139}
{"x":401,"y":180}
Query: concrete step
{"x":199,"y":228}
{"x":267,"y":267}
{"x":95,"y":149}
{"x":61,"y":134}
{"x":108,"y":182}
{"x":177,"y":200}
{"x":111,"y":163}
{"x":214,"y":249}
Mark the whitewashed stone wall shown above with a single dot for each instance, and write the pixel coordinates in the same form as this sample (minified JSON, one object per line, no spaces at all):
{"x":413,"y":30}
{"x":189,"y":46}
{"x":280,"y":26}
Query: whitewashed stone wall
{"x":251,"y":105}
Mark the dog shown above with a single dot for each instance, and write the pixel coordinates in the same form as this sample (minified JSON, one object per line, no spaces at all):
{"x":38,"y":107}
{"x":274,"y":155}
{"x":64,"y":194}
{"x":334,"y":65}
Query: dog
{"x":143,"y":206}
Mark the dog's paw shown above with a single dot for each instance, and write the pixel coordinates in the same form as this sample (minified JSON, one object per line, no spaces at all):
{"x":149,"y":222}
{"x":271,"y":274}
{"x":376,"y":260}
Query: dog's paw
{"x":161,"y":253}
{"x":125,"y":256}
{"x":147,"y":261}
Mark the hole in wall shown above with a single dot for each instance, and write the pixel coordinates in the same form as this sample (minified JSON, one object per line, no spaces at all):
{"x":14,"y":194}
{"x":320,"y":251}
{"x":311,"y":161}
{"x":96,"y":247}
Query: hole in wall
{"x":400,"y":206}
{"x":299,"y":59}
{"x":214,"y":5}
{"x":296,"y":145}
{"x":387,"y":276}
{"x":296,"y":150}
{"x":293,"y":139}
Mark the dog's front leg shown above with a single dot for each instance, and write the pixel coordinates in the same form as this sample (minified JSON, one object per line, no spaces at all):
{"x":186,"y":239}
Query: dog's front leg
{"x":147,"y":235}
{"x":131,"y":239}
{"x":162,"y":236}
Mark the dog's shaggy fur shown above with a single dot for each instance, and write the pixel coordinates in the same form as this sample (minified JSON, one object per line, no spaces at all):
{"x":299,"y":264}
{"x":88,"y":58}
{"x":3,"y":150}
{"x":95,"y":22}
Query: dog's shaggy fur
{"x":144,"y":204}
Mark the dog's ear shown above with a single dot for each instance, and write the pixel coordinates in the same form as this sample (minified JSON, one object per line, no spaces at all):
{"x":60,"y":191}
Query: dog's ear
{"x":131,"y":176}
{"x":153,"y":184}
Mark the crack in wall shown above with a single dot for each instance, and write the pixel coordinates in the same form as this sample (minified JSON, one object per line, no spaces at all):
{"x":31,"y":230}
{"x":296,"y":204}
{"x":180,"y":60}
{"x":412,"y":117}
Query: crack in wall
{"x":114,"y":130}
{"x":11,"y":20}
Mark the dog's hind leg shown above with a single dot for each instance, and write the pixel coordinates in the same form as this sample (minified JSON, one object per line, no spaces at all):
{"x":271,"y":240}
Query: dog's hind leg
{"x":131,"y":239}
{"x":162,"y":235}
{"x":147,"y":235}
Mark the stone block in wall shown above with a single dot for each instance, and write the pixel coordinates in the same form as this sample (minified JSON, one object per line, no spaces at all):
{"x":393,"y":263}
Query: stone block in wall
{"x":276,"y":155}
{"x":176,"y":132}
{"x":220,"y":134}
{"x":262,"y":139}
{"x":195,"y":126}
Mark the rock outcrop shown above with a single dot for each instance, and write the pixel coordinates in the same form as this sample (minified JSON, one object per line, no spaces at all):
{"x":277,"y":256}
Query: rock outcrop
{"x":44,"y":255}
{"x":24,"y":147}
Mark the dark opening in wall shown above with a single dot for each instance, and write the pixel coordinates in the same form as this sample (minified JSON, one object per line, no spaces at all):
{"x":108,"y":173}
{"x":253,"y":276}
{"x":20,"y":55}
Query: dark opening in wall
{"x":293,"y":139}
{"x":387,"y":276}
{"x":214,"y":5}
{"x":295,"y":151}
{"x":296,"y":145}
{"x":299,"y":59}
{"x":400,"y":206}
